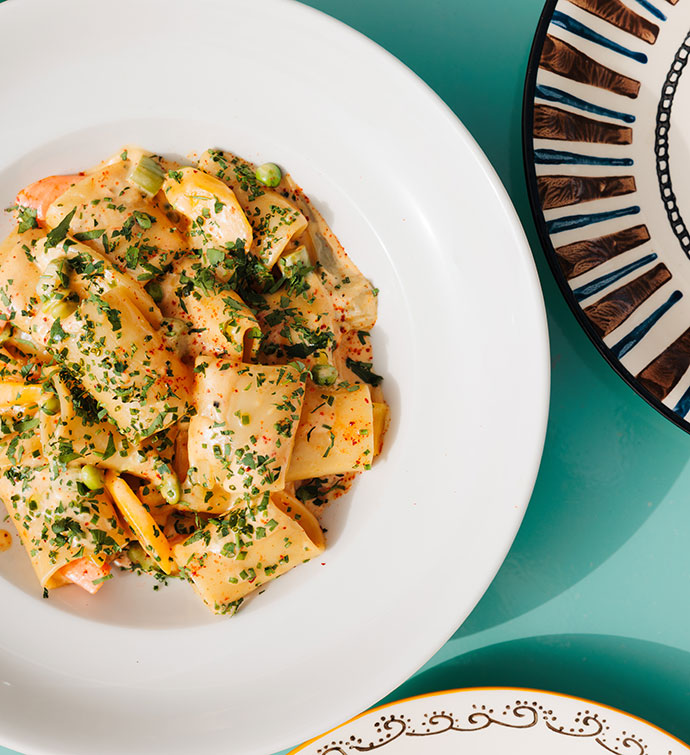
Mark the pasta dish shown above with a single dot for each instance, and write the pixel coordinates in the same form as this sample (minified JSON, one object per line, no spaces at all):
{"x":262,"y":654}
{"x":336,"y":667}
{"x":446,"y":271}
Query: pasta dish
{"x":186,"y":374}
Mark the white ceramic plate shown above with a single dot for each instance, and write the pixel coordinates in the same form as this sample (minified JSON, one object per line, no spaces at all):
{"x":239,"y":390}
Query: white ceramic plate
{"x":461,"y":341}
{"x":493,"y":721}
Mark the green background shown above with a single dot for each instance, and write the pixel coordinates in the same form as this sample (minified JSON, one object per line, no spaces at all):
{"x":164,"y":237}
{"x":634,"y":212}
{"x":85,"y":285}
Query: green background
{"x":592,"y":599}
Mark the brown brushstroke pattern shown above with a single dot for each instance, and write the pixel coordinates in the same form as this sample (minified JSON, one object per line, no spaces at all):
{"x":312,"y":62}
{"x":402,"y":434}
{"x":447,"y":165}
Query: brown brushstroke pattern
{"x":554,"y":123}
{"x":615,"y":308}
{"x":618,"y":14}
{"x":581,"y":256}
{"x":673,"y":2}
{"x":562,"y":191}
{"x":560,"y":57}
{"x":660,"y":376}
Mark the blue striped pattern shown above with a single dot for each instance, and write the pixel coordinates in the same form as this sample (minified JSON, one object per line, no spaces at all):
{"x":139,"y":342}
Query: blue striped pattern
{"x":559,"y":157}
{"x":619,"y":42}
{"x":599,"y":284}
{"x":571,"y":222}
{"x":575,"y":27}
{"x":558,"y":95}
{"x":637,"y":334}
{"x":652,"y":9}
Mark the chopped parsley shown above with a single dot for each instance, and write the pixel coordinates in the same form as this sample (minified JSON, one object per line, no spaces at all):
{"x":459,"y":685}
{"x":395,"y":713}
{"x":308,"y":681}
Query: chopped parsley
{"x":364,"y":372}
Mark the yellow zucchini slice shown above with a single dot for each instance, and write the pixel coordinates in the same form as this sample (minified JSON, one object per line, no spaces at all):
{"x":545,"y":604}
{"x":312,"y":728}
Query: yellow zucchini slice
{"x":19,"y":394}
{"x":140,"y":520}
{"x":380,"y":411}
{"x":211,"y":207}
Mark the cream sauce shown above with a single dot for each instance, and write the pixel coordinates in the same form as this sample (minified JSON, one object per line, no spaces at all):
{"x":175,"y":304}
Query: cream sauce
{"x":320,"y":492}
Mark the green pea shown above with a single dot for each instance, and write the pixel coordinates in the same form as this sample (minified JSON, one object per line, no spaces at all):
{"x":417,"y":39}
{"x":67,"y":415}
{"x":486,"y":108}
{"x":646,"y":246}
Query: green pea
{"x":51,"y":405}
{"x":154,"y":290}
{"x":139,"y":557}
{"x":61,"y":308}
{"x":324,"y":374}
{"x":174,"y":328}
{"x":92,"y":477}
{"x":269,"y":174}
{"x":170,"y":488}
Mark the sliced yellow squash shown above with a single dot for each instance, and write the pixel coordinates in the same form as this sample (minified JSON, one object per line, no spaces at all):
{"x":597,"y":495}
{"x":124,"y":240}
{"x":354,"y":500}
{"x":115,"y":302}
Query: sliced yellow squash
{"x":19,"y":394}
{"x":380,"y":411}
{"x":140,"y":520}
{"x":211,"y":207}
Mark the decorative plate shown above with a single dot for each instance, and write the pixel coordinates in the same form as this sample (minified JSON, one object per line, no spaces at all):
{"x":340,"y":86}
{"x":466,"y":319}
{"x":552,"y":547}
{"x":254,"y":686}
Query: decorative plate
{"x":606,"y":154}
{"x":493,"y":721}
{"x":82,"y":674}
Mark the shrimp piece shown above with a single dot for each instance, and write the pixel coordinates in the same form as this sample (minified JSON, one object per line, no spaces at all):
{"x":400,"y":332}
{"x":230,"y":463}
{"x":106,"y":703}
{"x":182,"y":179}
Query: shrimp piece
{"x":41,"y":194}
{"x":86,"y":573}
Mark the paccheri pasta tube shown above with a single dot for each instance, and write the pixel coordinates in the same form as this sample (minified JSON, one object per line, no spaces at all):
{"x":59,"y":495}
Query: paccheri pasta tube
{"x":253,"y":544}
{"x":60,"y":520}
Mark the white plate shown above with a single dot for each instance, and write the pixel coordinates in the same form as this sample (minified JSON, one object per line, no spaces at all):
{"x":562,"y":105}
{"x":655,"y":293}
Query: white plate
{"x":461,"y":341}
{"x":493,"y":721}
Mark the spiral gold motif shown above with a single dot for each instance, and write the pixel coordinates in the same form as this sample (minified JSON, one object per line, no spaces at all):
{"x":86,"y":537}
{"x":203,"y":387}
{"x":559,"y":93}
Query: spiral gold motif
{"x":627,"y":742}
{"x":520,"y":715}
{"x":386,"y":728}
{"x":586,"y":721}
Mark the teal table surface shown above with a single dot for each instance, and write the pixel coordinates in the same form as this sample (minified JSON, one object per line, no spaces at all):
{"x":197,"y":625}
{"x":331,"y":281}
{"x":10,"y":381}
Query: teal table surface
{"x":592,"y":599}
